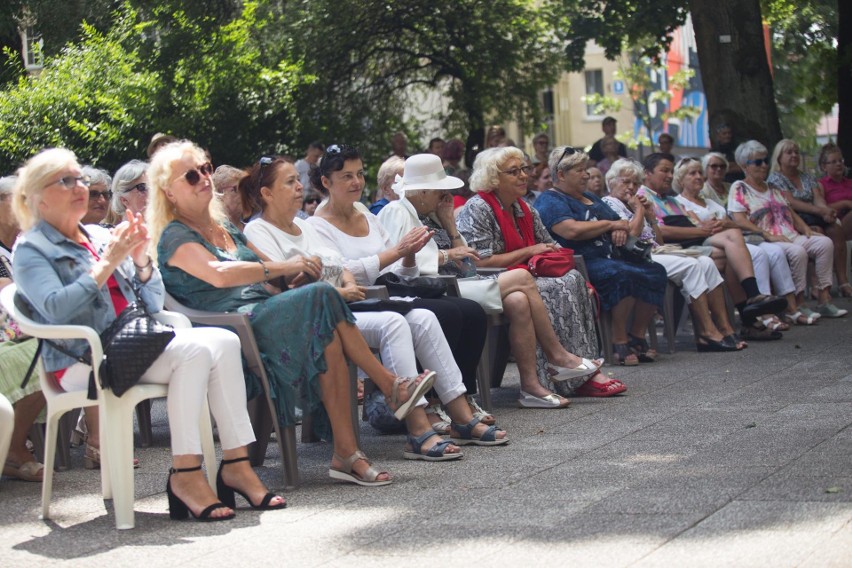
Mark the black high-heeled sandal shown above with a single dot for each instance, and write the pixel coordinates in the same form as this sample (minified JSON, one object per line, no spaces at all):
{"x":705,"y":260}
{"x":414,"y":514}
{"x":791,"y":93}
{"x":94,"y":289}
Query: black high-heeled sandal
{"x":226,"y":492}
{"x":639,"y":346}
{"x":178,"y":510}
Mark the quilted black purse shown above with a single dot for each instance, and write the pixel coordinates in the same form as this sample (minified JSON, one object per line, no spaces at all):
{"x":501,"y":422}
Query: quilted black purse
{"x":131,"y":344}
{"x":420,"y":286}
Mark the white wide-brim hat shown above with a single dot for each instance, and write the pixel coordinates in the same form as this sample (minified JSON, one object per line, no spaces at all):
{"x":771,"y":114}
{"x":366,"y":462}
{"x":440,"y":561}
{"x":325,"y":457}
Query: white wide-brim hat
{"x":424,"y":171}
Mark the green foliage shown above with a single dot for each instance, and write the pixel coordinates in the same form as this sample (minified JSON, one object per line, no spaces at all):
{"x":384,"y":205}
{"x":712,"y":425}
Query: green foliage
{"x":76,"y":103}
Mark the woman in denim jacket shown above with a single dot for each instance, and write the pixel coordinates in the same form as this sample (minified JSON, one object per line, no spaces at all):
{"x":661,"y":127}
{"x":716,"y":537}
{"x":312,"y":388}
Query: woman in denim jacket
{"x":69,"y":274}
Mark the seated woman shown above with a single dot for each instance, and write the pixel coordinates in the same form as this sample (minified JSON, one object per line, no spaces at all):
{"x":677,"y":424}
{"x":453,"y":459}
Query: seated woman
{"x":429,"y":203}
{"x":581,"y":221}
{"x":505,"y":232}
{"x":771,"y":269}
{"x":838,"y":189}
{"x":275,"y":192}
{"x":698,"y":277}
{"x":130,"y":189}
{"x":100,"y":196}
{"x":758,"y":207}
{"x":389,"y":169}
{"x":208,"y":264}
{"x":225,"y":180}
{"x":807,"y":198}
{"x":359,"y":238}
{"x":727,"y":246}
{"x":16,"y":353}
{"x":714,"y":165}
{"x":69,"y":274}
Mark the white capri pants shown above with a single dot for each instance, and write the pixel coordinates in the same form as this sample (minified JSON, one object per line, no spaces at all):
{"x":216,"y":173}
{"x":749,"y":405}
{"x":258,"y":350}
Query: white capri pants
{"x":820,"y":249}
{"x":779,"y":270}
{"x":695,"y":276}
{"x":198,"y":362}
{"x":404,"y":340}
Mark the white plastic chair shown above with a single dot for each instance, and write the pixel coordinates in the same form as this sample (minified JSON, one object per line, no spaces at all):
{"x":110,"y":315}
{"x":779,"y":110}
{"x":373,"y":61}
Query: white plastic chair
{"x":7,"y":424}
{"x":116,"y":414}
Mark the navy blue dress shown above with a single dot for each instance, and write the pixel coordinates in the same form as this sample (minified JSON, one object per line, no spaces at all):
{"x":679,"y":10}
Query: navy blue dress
{"x":613,"y":279}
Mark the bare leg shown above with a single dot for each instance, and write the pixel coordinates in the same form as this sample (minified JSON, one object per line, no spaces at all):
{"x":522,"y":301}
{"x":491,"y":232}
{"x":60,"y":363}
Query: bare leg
{"x":516,"y":306}
{"x":620,"y":313}
{"x":459,"y":411}
{"x":719,"y":310}
{"x":835,"y":232}
{"x":739,"y":259}
{"x":26,"y":411}
{"x":642,"y":315}
{"x":700,"y":310}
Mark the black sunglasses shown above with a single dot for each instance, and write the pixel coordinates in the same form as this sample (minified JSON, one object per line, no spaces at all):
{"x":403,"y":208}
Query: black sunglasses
{"x":262,"y":162}
{"x":312,"y":200}
{"x":194,"y":175}
{"x":568,"y":151}
{"x":95,"y":194}
{"x":141,"y":187}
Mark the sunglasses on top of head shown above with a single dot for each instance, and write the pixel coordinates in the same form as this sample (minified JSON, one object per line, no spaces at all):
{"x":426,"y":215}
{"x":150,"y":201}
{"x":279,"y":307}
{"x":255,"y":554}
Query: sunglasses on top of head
{"x":194,"y":175}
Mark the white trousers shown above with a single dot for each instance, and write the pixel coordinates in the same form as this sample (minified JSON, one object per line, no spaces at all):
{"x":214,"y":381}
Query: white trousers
{"x":404,"y":340}
{"x":695,"y":276}
{"x":196,"y":363}
{"x":779,"y":270}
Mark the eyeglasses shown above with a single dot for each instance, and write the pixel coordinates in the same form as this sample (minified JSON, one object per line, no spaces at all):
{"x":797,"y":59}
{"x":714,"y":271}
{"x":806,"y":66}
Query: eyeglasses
{"x":628,"y":181}
{"x":758,"y":162}
{"x":224,"y":190}
{"x":568,"y":151}
{"x":835,"y":162}
{"x":93,"y":195}
{"x":312,"y":200}
{"x":516,"y":172}
{"x":717,"y":167}
{"x":141,"y":187}
{"x":70,"y":182}
{"x":194,"y":175}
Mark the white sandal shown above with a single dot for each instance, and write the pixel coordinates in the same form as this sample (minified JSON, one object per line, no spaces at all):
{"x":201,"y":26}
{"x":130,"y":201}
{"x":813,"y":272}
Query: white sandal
{"x":795,"y":318}
{"x":442,"y":426}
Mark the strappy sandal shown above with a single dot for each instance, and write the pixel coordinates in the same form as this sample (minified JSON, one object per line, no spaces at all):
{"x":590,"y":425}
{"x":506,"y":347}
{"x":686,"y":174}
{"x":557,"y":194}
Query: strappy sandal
{"x":29,"y":471}
{"x":478,"y":412}
{"x":464,"y":435}
{"x":643,"y":351}
{"x":775,"y":324}
{"x":226,"y":492}
{"x":623,"y":355}
{"x":798,"y":318}
{"x":442,"y":424}
{"x":369,"y":478}
{"x":845,"y":290}
{"x":759,"y":332}
{"x":435,"y":453}
{"x":422,"y":383}
{"x":178,"y":510}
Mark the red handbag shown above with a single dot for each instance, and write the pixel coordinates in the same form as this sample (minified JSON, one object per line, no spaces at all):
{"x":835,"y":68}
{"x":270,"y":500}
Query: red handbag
{"x":554,"y":263}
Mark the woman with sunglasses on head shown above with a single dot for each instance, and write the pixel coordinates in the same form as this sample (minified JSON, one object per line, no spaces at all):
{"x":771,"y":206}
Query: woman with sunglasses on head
{"x":274,"y":195}
{"x":505,"y":232}
{"x":70,"y":274}
{"x":130,"y":188}
{"x":359,"y":237}
{"x":580,"y":220}
{"x":757,"y":206}
{"x":305,"y":331}
{"x":425,"y":200}
{"x":807,"y":197}
{"x":100,"y":195}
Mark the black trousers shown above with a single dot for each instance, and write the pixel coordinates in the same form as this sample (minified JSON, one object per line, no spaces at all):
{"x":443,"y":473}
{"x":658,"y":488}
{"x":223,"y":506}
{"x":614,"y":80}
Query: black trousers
{"x":464,"y":324}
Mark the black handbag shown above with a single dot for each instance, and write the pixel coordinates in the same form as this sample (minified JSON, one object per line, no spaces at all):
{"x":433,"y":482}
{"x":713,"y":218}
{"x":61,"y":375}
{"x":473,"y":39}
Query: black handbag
{"x":380,"y":305}
{"x":131,"y":344}
{"x":419,"y":286}
{"x":633,"y":250}
{"x":686,"y":222}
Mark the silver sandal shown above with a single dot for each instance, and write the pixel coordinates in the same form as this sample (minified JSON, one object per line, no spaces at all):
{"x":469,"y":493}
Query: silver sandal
{"x":345,"y":473}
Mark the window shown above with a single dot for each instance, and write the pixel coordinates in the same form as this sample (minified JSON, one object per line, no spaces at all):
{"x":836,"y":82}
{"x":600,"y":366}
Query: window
{"x":594,"y":86}
{"x":33,"y":49}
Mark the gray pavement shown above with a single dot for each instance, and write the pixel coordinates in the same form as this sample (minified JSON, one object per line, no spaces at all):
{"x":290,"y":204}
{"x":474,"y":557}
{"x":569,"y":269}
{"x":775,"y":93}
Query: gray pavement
{"x":738,"y":459}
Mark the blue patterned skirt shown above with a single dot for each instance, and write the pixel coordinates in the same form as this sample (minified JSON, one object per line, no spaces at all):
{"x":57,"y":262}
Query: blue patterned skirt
{"x":616,"y":279}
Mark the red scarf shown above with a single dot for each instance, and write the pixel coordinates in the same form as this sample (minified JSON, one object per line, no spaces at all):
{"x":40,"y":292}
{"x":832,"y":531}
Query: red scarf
{"x":506,"y":219}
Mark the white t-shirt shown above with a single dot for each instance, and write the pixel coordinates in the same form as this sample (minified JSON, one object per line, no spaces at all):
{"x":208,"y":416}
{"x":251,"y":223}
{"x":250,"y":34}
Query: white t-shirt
{"x":398,"y":218}
{"x":361,"y":253}
{"x":278,"y":245}
{"x":712,"y":211}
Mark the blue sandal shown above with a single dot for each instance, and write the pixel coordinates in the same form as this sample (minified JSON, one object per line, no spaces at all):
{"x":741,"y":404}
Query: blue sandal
{"x":466,"y":437}
{"x":435,"y":453}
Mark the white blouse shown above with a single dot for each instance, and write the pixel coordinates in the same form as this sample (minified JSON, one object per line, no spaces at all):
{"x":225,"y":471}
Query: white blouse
{"x":712,"y":211}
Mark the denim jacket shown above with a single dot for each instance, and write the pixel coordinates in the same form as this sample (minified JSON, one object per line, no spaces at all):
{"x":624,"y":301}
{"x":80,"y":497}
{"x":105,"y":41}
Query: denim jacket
{"x":52,"y":274}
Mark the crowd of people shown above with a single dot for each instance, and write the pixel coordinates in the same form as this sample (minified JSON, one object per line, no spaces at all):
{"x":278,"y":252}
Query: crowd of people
{"x":291,"y":244}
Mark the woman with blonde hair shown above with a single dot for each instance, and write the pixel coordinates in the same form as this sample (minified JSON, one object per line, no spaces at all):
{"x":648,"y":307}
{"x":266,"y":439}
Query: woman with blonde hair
{"x":208,"y":264}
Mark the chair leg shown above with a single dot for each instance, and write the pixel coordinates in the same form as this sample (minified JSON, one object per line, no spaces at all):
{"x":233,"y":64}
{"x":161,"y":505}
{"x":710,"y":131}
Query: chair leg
{"x":287,"y":444}
{"x":118,"y":439}
{"x":51,"y":429}
{"x":262,"y":425}
{"x":669,"y":319}
{"x":7,"y":424}
{"x":605,"y":331}
{"x":483,"y":369}
{"x":143,"y":418}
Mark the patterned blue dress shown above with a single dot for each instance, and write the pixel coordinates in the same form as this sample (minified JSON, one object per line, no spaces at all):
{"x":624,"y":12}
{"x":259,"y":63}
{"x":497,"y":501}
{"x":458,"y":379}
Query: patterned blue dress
{"x":613,"y":279}
{"x":292,"y":329}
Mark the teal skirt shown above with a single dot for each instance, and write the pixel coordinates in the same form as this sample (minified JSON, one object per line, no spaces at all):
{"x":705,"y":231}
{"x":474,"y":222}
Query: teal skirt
{"x":292,"y":330}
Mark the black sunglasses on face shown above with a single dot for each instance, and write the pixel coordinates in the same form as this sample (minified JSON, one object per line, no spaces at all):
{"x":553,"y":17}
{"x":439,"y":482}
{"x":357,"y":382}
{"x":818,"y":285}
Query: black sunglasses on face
{"x":93,"y":195}
{"x":194,"y":175}
{"x":758,"y":162}
{"x":311,"y":200}
{"x":140,"y":187}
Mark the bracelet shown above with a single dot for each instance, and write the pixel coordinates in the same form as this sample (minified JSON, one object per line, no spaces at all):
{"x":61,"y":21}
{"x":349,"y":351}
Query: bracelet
{"x":265,"y":271}
{"x":445,"y":256}
{"x":145,"y":267}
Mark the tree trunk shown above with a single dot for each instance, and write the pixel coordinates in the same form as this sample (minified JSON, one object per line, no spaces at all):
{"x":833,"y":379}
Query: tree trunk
{"x":844,"y":78}
{"x":734,"y":69}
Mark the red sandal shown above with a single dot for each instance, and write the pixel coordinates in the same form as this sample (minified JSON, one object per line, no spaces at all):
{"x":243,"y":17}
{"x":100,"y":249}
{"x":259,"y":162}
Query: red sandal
{"x":610,"y":388}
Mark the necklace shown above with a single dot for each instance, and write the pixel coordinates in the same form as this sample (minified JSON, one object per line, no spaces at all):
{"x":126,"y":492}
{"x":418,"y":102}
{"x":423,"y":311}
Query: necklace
{"x":213,"y":233}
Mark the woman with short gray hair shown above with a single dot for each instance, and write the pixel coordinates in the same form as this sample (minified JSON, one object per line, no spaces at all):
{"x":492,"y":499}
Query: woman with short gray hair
{"x":130,"y":188}
{"x":100,"y":195}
